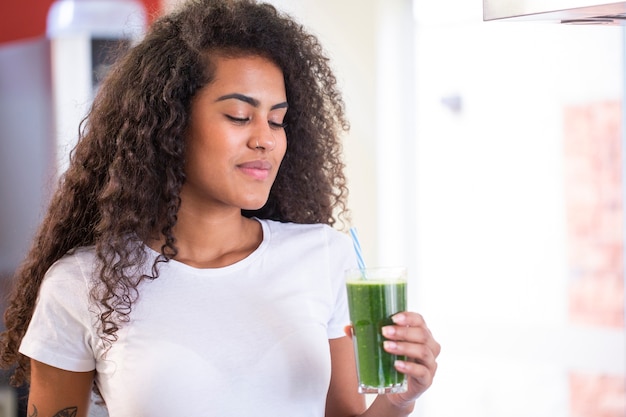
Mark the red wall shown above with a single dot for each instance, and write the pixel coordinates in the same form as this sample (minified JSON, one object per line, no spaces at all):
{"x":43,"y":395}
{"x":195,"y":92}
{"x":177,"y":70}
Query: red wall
{"x":22,"y":19}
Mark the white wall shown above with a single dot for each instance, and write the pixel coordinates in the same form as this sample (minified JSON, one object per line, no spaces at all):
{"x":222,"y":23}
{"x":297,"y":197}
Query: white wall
{"x":491,"y":230}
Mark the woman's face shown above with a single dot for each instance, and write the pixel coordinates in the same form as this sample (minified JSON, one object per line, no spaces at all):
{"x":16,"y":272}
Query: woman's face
{"x":236,"y":139}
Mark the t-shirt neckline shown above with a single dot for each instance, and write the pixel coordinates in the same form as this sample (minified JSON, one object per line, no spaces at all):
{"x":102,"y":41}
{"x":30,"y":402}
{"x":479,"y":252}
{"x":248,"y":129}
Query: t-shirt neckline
{"x":243,"y":263}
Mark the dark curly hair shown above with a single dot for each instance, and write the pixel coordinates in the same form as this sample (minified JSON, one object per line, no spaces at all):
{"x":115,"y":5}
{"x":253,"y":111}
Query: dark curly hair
{"x":124,"y":180}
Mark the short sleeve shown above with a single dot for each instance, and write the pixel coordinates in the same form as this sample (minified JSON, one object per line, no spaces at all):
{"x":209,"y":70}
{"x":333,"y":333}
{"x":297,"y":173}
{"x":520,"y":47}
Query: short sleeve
{"x":61,"y":332}
{"x":341,"y":258}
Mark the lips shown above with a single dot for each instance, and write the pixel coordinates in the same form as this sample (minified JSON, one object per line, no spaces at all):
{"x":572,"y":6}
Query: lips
{"x":258,"y":170}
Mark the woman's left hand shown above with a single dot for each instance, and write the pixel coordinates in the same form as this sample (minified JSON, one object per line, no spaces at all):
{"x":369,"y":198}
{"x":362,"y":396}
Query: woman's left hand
{"x":410,"y":336}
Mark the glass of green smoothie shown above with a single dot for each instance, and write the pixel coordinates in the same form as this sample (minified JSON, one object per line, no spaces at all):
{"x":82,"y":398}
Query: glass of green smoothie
{"x":374,"y":296}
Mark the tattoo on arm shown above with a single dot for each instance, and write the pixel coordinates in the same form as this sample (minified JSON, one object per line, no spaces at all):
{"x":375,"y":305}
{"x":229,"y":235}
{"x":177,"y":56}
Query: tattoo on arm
{"x":66,"y":412}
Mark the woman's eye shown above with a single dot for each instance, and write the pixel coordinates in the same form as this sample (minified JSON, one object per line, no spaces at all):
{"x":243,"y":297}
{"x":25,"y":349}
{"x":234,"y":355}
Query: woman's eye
{"x":238,"y":120}
{"x":244,"y":120}
{"x":276,"y":125}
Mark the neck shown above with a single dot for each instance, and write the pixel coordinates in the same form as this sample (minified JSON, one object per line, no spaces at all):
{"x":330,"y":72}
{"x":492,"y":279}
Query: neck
{"x":214,"y":241}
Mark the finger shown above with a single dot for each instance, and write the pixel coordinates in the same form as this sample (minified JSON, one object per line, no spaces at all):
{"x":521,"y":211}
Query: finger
{"x":409,"y":334}
{"x":348,"y":331}
{"x":424,"y":375}
{"x":420,"y":364}
{"x":418,"y":353}
{"x":409,"y":318}
{"x":412,"y":327}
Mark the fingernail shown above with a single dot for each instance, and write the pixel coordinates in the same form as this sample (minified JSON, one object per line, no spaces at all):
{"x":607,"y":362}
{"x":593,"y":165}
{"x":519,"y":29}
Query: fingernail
{"x":400,"y":365}
{"x":399,"y":318}
{"x":388,"y":331}
{"x":389,"y":345}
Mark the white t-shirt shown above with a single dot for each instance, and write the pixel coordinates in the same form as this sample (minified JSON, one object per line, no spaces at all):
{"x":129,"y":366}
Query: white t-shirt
{"x":249,"y":339}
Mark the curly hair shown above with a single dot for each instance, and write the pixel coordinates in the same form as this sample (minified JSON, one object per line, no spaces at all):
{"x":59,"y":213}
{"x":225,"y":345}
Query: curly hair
{"x":125,"y":175}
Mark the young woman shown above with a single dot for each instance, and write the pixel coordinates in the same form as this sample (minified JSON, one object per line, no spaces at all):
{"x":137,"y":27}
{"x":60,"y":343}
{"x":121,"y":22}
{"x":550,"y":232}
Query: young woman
{"x":187,"y":264}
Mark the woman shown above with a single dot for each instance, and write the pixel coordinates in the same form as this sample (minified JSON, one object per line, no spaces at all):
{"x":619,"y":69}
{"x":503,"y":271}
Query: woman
{"x":189,"y":263}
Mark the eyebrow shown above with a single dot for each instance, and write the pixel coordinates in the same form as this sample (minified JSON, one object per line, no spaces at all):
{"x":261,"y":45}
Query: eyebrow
{"x":251,"y":100}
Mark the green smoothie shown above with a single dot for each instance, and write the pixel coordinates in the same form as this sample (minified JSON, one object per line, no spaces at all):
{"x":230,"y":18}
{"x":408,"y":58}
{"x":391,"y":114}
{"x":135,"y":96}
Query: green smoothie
{"x":372,"y":303}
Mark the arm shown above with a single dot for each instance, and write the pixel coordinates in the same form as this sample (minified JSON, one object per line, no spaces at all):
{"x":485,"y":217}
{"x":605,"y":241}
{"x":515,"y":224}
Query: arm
{"x":58,"y":393}
{"x":343,"y":398}
{"x":409,"y":336}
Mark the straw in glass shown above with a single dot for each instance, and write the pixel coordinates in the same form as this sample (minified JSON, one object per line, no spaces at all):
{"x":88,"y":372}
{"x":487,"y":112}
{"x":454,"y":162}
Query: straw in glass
{"x":357,"y":248}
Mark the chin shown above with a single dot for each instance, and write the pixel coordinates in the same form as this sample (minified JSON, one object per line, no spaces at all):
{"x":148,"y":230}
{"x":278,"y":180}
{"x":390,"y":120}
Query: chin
{"x":254,"y":206}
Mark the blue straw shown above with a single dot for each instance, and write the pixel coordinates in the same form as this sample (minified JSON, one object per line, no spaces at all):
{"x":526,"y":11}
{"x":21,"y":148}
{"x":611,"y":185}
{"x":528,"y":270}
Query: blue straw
{"x":357,"y":248}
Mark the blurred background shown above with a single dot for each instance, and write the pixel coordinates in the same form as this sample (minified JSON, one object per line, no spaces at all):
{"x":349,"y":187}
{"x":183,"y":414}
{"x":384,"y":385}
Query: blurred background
{"x":484,"y":155}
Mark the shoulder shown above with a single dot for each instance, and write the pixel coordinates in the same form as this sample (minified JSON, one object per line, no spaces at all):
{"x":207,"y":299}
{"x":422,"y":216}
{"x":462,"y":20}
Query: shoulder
{"x":75,"y":267}
{"x":310,"y":240}
{"x":309,"y":232}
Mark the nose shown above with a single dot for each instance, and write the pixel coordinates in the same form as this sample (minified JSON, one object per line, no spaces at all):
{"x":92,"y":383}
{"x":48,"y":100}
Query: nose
{"x":263,"y":138}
